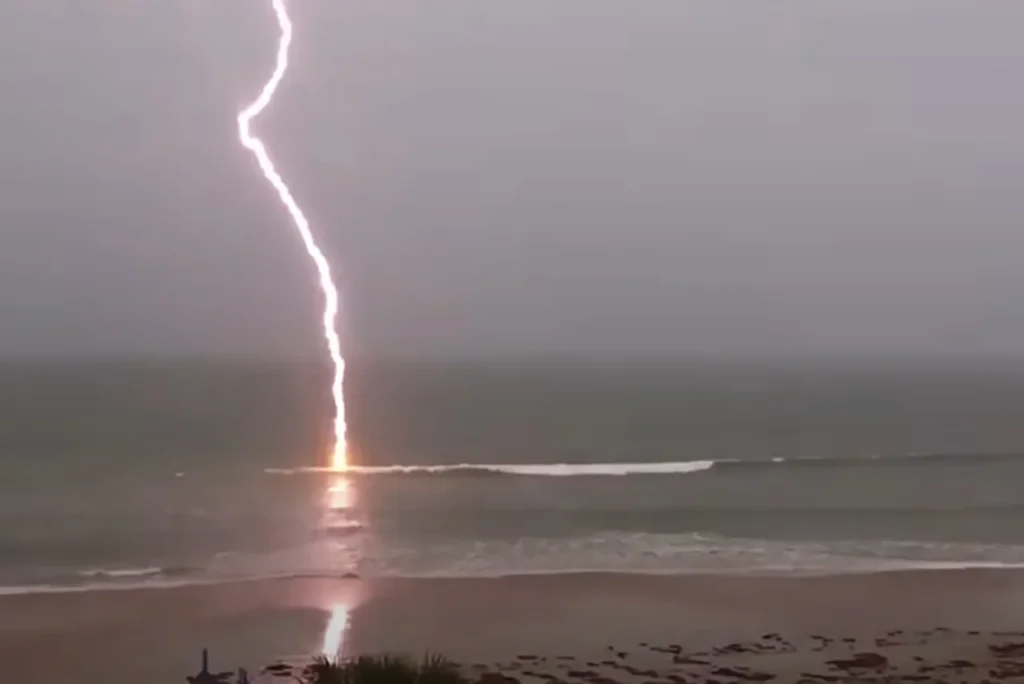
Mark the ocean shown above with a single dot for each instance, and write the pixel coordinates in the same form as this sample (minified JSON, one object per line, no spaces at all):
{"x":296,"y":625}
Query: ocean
{"x":128,"y":473}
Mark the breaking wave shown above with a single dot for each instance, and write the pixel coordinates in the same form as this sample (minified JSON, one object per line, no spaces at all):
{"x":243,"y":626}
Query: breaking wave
{"x":652,"y":468}
{"x":121,"y":573}
{"x":616,"y":552}
{"x":529,"y":470}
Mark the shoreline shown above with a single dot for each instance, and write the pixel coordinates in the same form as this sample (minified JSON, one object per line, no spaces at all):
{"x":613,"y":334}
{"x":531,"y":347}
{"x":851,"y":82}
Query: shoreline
{"x":28,"y":590}
{"x":254,"y":623}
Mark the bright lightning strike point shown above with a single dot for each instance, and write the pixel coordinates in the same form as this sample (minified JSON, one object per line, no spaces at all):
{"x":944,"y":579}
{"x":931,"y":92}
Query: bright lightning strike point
{"x":339,"y":451}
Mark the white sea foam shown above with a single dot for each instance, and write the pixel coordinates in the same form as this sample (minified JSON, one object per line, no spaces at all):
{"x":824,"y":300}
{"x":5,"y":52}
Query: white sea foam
{"x":633,"y":553}
{"x":523,"y":469}
{"x":120,"y":573}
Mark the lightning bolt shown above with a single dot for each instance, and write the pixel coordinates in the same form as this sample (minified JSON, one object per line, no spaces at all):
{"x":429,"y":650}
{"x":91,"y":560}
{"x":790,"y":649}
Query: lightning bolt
{"x":339,"y":450}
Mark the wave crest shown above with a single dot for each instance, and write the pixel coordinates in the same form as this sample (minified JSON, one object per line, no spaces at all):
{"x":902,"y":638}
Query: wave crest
{"x":651,"y":468}
{"x":527,"y":469}
{"x":121,"y":573}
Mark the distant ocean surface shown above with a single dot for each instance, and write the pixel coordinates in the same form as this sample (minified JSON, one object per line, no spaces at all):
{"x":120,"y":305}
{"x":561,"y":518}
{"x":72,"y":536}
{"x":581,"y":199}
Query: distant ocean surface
{"x":129,"y":473}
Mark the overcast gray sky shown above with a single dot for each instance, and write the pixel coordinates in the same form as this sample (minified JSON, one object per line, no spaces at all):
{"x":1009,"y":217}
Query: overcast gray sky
{"x":517,"y":176}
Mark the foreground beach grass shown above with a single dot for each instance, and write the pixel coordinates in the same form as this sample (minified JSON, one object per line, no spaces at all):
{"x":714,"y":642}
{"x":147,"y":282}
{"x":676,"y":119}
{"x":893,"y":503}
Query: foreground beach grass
{"x":384,"y":669}
{"x":939,"y":655}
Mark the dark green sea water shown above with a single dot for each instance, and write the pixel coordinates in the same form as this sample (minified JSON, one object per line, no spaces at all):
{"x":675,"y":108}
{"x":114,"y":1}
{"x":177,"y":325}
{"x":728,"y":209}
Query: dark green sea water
{"x":155,"y":471}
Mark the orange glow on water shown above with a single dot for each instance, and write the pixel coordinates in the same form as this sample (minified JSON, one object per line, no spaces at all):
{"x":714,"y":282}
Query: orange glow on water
{"x":340,"y":496}
{"x":340,"y":503}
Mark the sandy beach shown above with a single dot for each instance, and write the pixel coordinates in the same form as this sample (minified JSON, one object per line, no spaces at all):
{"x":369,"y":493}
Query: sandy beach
{"x":956,"y":625}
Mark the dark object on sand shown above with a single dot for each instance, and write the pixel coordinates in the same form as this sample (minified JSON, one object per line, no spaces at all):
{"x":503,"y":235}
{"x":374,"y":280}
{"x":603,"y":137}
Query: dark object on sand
{"x":1007,"y":650}
{"x":383,"y":669}
{"x":861,"y":661}
{"x":279,"y":669}
{"x":207,"y":677}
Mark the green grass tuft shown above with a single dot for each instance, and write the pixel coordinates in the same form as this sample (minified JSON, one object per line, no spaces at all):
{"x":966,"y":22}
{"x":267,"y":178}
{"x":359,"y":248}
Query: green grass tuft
{"x":384,"y":669}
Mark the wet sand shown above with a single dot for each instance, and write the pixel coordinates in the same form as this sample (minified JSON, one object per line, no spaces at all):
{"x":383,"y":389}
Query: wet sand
{"x":596,"y":628}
